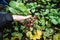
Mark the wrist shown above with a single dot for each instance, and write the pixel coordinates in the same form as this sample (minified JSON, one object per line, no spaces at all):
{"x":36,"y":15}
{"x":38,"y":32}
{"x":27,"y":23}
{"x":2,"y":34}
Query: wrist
{"x":14,"y":17}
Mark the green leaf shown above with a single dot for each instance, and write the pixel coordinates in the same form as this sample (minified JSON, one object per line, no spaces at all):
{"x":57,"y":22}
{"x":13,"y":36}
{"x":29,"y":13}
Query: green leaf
{"x":5,"y":35}
{"x":22,"y":27}
{"x":16,"y":28}
{"x":12,"y":4}
{"x":37,"y":14}
{"x":36,"y":22}
{"x":6,"y":30}
{"x":14,"y":11}
{"x":53,"y":5}
{"x":46,"y":12}
{"x":33,"y":10}
{"x":48,"y":0}
{"x":42,"y":22}
{"x":48,"y":32}
{"x":58,"y":20}
{"x":54,"y":21}
{"x":22,"y":7}
{"x":18,"y":6}
{"x":17,"y":34}
{"x":48,"y":24}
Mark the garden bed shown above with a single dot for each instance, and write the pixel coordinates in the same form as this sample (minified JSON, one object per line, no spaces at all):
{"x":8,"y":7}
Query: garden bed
{"x":45,"y":20}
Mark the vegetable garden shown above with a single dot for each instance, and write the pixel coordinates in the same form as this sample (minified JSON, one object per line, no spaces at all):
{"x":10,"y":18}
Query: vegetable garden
{"x":44,"y":24}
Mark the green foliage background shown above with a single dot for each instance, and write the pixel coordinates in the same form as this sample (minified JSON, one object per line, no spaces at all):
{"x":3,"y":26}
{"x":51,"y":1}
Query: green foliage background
{"x":48,"y":17}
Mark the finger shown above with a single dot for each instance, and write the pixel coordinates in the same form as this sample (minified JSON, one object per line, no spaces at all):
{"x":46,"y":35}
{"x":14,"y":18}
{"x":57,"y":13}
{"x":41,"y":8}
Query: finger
{"x":28,"y":17}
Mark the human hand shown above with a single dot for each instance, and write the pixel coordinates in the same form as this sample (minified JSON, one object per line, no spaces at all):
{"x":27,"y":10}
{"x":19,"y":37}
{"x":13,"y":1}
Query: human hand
{"x":20,"y":18}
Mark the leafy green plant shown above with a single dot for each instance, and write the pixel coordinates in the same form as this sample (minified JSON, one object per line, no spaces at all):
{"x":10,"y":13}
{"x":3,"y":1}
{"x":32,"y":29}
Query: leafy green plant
{"x":45,"y":21}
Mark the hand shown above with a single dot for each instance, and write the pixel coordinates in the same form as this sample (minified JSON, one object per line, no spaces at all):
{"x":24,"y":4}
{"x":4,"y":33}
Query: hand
{"x":20,"y":18}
